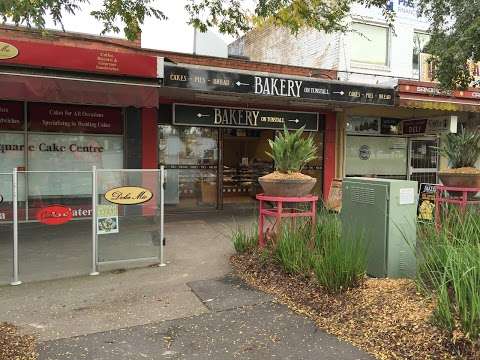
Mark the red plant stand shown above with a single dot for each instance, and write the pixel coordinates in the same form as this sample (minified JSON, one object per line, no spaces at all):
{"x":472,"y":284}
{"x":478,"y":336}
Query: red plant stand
{"x":442,"y":196}
{"x":279,"y":211}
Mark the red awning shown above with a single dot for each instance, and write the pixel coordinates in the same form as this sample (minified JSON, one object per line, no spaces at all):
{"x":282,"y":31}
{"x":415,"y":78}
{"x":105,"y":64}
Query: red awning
{"x":424,"y":95}
{"x":44,"y":88}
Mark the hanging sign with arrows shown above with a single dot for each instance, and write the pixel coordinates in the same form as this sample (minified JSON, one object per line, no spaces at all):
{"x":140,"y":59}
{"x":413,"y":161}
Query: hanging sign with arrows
{"x":199,"y":115}
{"x":300,"y":88}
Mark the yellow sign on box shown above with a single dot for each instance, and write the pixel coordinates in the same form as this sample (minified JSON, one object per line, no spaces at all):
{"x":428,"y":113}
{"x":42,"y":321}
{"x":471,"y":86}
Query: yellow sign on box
{"x":7,"y":51}
{"x":128,"y":195}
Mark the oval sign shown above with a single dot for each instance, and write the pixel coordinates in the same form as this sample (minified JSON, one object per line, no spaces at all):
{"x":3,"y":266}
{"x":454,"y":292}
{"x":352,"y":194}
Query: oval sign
{"x":128,"y":195}
{"x":7,"y":51}
{"x":54,"y":215}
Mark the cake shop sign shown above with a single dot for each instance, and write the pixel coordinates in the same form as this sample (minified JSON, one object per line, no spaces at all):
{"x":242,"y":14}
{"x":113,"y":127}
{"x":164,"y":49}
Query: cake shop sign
{"x":128,"y":195}
{"x":54,"y":215}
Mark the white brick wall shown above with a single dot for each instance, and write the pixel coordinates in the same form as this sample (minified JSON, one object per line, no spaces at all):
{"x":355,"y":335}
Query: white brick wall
{"x":277,"y":45}
{"x":332,"y":51}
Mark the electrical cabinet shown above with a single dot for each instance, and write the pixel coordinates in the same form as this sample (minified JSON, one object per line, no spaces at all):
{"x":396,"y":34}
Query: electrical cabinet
{"x":384,"y":212}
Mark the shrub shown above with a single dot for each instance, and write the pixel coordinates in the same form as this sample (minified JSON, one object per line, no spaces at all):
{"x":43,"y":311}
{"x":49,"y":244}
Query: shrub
{"x":291,"y":248}
{"x":450,"y":270}
{"x":462,"y":149}
{"x":340,"y":259}
{"x":291,"y":151}
{"x":245,"y":239}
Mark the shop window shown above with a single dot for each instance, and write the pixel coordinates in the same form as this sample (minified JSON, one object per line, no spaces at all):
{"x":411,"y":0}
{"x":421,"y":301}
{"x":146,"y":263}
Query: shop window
{"x":363,"y":125}
{"x":369,"y":44}
{"x":391,"y":126}
{"x":68,"y":152}
{"x":71,"y":138}
{"x":12,"y":147}
{"x":12,"y":155}
{"x":190,"y":156}
{"x":384,"y":157}
{"x":420,"y":40}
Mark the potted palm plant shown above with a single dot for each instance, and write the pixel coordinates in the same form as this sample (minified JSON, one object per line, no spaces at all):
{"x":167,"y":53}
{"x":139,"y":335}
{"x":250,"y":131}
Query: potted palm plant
{"x":290,"y":151}
{"x":462,"y":151}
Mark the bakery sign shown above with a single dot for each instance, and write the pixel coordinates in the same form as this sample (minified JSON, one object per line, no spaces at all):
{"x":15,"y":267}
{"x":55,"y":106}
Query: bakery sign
{"x":255,"y":84}
{"x":247,"y":118}
{"x":7,"y":51}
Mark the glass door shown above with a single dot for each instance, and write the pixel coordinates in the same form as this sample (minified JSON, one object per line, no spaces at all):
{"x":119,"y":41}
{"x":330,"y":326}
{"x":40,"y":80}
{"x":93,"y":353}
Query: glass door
{"x":423,"y":160}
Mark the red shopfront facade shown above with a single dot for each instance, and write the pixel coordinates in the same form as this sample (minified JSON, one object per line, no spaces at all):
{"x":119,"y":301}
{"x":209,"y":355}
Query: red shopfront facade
{"x":68,"y":108}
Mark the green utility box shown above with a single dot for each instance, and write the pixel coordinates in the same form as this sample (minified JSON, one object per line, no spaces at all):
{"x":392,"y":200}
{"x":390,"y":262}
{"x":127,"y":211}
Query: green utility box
{"x":385,"y":212}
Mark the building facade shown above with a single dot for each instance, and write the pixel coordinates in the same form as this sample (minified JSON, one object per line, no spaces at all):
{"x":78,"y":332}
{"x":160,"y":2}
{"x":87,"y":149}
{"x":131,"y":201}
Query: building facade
{"x":371,"y":52}
{"x":394,"y":142}
{"x":71,"y":102}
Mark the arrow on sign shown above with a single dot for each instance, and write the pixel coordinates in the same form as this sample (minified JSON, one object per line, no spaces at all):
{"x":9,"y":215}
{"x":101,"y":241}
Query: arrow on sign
{"x":295,"y":121}
{"x":238,"y":83}
{"x":200,"y":115}
{"x":338,"y":92}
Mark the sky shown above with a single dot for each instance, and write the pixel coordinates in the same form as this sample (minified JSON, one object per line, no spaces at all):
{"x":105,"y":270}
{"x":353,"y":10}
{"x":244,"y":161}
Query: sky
{"x":173,"y":34}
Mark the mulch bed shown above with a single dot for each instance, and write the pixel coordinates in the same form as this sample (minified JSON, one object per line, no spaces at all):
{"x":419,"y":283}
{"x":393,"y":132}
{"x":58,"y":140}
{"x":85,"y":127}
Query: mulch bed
{"x":14,"y":346}
{"x":387,"y":318}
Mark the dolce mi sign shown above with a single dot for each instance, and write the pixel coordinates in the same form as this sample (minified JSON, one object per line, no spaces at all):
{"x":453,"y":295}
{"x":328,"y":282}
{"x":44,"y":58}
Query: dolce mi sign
{"x":7,"y":51}
{"x":228,"y":117}
{"x":128,"y":195}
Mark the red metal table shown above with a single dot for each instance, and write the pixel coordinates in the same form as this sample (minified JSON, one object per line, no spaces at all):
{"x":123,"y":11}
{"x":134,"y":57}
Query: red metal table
{"x":453,"y":195}
{"x":279,"y":211}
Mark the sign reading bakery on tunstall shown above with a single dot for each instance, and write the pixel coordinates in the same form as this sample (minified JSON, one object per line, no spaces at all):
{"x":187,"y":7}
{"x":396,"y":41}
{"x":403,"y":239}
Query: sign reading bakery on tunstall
{"x":229,"y":117}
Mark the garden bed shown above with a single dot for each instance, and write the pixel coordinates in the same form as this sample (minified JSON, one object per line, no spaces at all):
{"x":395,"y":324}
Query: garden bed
{"x":387,"y":318}
{"x":14,"y":346}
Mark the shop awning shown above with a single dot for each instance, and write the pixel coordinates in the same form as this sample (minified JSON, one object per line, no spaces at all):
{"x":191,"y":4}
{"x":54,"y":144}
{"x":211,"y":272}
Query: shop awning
{"x":72,"y":90}
{"x":450,"y":104}
{"x":425,"y":95}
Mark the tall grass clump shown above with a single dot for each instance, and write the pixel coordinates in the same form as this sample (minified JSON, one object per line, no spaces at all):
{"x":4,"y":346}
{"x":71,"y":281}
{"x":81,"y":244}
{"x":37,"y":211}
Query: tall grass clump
{"x":336,"y":260}
{"x":245,"y":239}
{"x":449,"y":268}
{"x":341,"y":258}
{"x":291,"y":248}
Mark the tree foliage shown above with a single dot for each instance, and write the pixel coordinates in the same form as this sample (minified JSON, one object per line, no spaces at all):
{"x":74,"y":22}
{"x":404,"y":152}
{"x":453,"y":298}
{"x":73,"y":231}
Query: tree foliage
{"x":455,"y":39}
{"x":455,"y":24}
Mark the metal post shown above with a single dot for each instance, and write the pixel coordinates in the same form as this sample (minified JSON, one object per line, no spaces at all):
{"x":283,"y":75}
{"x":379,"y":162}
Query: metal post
{"x":162,"y":216}
{"x":94,"y":221}
{"x":15,"y":227}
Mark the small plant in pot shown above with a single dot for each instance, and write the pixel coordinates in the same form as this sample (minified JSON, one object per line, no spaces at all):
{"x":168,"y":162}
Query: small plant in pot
{"x":290,"y":152}
{"x":462,"y":151}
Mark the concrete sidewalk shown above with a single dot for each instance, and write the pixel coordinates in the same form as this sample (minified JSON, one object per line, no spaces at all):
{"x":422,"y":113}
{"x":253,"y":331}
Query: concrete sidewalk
{"x":240,"y":323}
{"x":168,"y":312}
{"x":198,"y":247}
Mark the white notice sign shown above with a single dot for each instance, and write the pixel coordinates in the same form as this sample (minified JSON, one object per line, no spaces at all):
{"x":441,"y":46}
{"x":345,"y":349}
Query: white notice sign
{"x":107,"y":219}
{"x":407,"y":196}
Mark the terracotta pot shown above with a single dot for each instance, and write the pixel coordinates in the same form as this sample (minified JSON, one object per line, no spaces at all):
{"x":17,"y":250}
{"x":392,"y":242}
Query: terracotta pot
{"x":287,"y":187}
{"x":460,"y":180}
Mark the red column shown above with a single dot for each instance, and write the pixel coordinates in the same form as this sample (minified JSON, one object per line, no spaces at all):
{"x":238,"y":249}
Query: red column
{"x":149,"y":138}
{"x":329,"y":162}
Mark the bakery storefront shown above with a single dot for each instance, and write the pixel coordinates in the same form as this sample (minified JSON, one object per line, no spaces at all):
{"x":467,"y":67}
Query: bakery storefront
{"x":215,"y":126}
{"x":215,"y":155}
